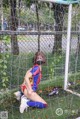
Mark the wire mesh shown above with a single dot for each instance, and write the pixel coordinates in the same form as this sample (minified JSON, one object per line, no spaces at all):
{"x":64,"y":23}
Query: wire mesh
{"x":21,"y":36}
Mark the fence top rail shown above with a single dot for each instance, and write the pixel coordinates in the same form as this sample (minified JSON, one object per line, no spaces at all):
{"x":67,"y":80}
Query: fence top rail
{"x":9,"y":32}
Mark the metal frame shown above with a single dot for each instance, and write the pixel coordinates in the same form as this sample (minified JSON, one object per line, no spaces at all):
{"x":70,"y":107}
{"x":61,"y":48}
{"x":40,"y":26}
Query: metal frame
{"x":68,"y":47}
{"x":66,"y":2}
{"x":68,"y":52}
{"x":9,"y":32}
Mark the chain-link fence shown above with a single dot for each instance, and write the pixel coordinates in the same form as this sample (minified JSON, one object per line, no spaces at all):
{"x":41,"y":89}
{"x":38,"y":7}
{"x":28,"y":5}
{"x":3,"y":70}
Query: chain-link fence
{"x":30,"y":27}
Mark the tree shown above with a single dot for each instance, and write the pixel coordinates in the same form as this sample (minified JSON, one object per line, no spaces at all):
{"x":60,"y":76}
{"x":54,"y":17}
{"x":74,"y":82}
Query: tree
{"x":38,"y":25}
{"x":59,"y":11}
{"x":19,"y":11}
{"x":13,"y":26}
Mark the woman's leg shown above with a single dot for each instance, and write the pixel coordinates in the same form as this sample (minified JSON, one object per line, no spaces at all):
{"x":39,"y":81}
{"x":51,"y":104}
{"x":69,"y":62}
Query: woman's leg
{"x":34,"y":100}
{"x":34,"y":97}
{"x":36,"y":104}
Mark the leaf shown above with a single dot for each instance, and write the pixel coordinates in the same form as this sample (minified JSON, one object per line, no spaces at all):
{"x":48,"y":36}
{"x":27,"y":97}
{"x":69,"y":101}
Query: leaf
{"x":5,"y":67}
{"x":7,"y":55}
{"x":1,"y":61}
{"x":5,"y":61}
{"x":4,"y":73}
{"x":6,"y":79}
{"x":4,"y":85}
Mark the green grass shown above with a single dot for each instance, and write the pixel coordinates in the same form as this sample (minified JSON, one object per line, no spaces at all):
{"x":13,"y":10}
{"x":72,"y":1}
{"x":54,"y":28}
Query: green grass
{"x":67,"y":102}
{"x":70,"y":104}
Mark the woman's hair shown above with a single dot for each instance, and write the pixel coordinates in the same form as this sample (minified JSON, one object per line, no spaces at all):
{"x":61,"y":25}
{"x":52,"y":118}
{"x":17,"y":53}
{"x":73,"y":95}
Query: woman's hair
{"x":39,"y":58}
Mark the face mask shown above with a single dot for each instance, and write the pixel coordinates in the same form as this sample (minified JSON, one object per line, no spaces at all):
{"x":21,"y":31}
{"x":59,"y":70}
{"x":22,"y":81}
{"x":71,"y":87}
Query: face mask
{"x":39,"y":62}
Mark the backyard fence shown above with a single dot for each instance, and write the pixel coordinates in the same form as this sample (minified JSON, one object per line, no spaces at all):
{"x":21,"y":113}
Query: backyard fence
{"x":41,"y":27}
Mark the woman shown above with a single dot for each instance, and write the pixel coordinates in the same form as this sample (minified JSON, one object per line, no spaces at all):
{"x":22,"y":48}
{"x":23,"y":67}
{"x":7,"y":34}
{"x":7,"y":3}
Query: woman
{"x":30,"y":85}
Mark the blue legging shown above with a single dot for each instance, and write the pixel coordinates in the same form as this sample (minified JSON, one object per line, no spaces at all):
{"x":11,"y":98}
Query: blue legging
{"x":36,"y":104}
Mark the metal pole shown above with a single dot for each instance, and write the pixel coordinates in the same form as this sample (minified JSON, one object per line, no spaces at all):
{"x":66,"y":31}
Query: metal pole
{"x":68,"y":47}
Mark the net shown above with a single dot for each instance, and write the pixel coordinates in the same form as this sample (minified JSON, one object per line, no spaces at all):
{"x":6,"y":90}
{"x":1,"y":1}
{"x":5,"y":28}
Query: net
{"x":30,"y":27}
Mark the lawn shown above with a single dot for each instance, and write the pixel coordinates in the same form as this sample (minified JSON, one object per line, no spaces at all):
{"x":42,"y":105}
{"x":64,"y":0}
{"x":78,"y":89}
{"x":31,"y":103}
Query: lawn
{"x":68,"y":104}
{"x":61,"y":106}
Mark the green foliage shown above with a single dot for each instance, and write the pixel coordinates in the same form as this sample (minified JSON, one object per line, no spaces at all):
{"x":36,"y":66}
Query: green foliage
{"x":54,"y":62}
{"x":6,"y":38}
{"x":17,"y":67}
{"x":76,"y":16}
{"x":3,"y":69}
{"x":29,"y":2}
{"x":29,"y":16}
{"x":5,"y":3}
{"x":3,"y":63}
{"x":7,"y":99}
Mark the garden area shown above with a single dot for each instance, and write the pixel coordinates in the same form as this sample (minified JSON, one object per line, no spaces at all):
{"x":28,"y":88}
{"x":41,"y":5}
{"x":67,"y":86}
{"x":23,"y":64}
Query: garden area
{"x":27,"y":27}
{"x":15,"y":69}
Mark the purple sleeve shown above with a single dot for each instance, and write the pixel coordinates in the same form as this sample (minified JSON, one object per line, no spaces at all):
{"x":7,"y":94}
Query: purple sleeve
{"x":35,"y":70}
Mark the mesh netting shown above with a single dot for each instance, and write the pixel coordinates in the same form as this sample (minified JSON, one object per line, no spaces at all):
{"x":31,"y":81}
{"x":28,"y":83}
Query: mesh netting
{"x":27,"y":27}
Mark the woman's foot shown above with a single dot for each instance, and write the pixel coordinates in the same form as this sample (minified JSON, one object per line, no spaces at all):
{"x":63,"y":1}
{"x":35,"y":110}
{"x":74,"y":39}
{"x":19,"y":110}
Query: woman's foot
{"x":23,"y":105}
